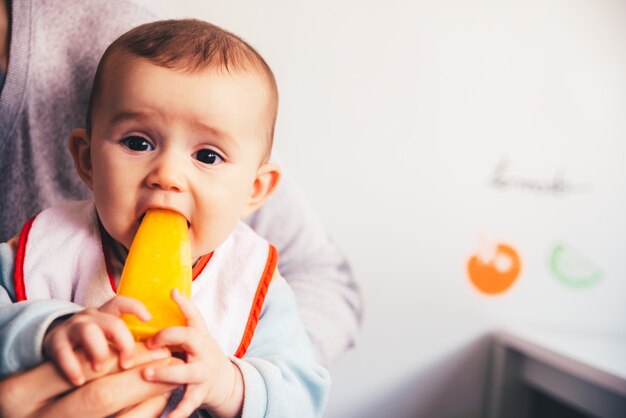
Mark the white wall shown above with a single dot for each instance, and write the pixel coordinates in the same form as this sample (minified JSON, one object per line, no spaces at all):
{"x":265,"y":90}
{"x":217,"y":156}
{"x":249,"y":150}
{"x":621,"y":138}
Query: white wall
{"x":394,"y":117}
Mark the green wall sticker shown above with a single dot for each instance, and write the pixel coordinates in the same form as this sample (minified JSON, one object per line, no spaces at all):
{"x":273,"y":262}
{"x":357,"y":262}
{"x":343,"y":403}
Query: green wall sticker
{"x":572,"y":268}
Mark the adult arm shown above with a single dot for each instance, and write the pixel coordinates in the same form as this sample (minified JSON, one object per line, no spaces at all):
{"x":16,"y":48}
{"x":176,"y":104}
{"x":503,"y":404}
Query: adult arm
{"x":328,"y":297}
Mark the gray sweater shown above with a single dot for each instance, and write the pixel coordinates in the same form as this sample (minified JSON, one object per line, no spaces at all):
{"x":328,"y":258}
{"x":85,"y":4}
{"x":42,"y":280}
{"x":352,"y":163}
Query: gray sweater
{"x":55,"y":48}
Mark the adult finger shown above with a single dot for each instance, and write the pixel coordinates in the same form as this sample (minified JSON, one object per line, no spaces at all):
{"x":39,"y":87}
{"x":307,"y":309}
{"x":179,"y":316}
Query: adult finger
{"x":109,"y":394}
{"x":147,"y":409}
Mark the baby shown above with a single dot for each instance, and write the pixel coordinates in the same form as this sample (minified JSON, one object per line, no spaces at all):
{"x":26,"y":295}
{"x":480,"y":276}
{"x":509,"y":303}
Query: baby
{"x":181,"y":117}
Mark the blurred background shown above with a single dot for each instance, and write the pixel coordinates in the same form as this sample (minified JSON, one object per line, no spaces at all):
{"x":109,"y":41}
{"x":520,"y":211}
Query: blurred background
{"x":448,"y":146}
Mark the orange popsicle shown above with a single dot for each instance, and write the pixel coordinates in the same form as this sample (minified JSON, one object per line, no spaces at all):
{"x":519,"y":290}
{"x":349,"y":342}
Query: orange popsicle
{"x":158,"y":261}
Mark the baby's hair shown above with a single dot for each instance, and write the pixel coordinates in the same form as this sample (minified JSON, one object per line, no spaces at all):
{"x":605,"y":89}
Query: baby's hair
{"x":189,"y":45}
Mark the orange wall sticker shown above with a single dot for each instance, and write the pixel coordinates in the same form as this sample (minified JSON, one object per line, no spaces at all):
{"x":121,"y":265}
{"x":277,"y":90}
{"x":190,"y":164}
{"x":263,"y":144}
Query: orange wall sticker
{"x":496,"y":273}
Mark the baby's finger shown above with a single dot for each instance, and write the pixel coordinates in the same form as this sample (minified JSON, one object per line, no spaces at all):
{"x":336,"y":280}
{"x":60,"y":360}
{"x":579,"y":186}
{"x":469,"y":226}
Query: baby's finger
{"x":62,"y":353}
{"x":180,"y":374}
{"x":193,"y":315}
{"x":120,"y":336}
{"x":141,"y":355}
{"x":91,"y":338}
{"x":189,"y":339}
{"x":124,"y":304}
{"x":191,"y":401}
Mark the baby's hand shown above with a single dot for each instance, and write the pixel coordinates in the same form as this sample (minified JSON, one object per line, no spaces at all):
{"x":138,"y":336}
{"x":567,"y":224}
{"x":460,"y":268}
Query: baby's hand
{"x":91,"y":330}
{"x":212,"y":380}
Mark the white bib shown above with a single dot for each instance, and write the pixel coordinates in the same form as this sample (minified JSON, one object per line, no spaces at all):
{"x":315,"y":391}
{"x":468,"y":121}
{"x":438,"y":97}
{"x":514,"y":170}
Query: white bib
{"x":61,"y":255}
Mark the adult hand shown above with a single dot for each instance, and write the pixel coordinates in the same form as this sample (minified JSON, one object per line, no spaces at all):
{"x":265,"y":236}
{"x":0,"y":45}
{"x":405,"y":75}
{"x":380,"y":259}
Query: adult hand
{"x":42,"y":392}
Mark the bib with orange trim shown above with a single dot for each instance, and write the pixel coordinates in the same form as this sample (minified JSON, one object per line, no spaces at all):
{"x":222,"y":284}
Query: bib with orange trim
{"x":61,"y":255}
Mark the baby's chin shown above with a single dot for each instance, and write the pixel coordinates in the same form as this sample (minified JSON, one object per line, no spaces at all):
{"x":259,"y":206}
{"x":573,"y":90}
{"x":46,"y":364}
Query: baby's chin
{"x":197,"y":255}
{"x":125,"y":238}
{"x":199,"y":245}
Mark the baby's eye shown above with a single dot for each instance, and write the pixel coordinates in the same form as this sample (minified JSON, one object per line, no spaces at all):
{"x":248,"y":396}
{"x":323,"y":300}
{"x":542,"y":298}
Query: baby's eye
{"x":208,"y":156}
{"x":137,"y":143}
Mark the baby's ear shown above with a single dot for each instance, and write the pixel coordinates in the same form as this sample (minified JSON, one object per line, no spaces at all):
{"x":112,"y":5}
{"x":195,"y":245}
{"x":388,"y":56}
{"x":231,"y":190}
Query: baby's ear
{"x":79,"y":144}
{"x":267,"y":178}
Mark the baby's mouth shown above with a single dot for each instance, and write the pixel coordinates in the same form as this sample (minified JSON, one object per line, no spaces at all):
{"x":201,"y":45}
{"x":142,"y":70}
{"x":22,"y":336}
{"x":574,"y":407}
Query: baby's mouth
{"x":140,"y":220}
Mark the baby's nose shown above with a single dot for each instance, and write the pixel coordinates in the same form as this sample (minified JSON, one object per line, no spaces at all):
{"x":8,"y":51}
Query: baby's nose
{"x":167,"y":175}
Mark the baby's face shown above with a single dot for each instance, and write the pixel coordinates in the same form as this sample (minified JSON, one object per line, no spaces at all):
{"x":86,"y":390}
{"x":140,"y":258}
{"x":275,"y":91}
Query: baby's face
{"x":191,"y":142}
